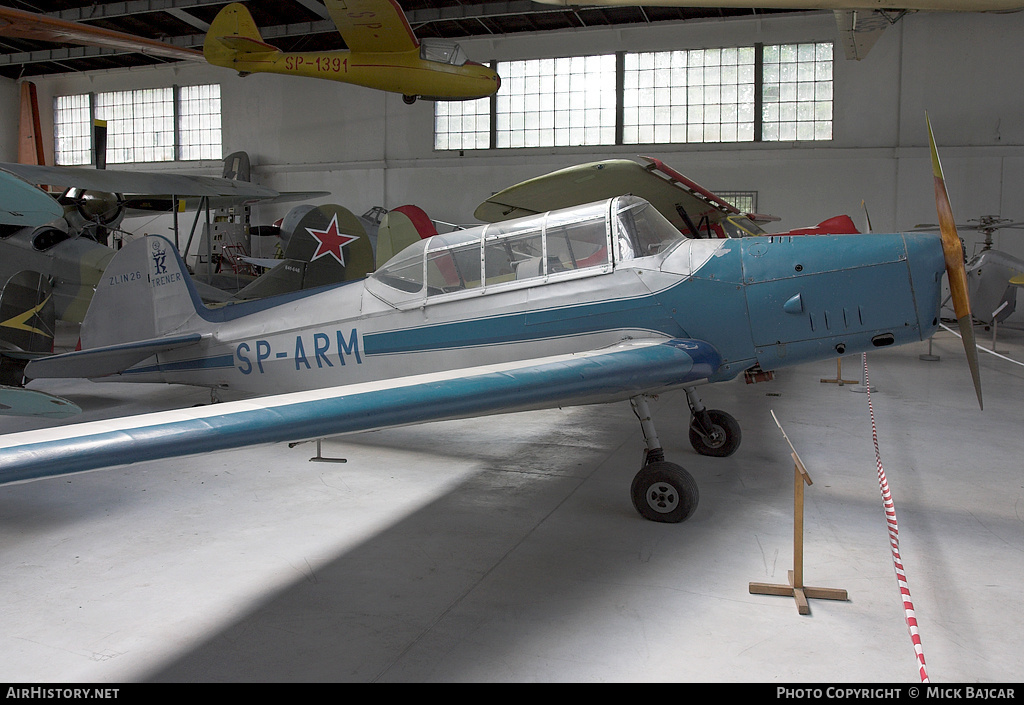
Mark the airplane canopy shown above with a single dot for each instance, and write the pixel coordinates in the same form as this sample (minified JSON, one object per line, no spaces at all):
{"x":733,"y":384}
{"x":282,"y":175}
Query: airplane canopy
{"x":569,"y":243}
{"x":443,"y":51}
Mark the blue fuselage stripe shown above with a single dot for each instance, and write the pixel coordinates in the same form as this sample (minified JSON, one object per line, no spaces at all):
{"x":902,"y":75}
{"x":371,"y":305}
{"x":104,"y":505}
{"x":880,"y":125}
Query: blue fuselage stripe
{"x":639,"y":313}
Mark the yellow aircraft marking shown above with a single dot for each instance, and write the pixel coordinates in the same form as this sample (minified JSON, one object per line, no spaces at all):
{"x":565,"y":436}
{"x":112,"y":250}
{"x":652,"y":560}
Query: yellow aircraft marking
{"x":19,"y":322}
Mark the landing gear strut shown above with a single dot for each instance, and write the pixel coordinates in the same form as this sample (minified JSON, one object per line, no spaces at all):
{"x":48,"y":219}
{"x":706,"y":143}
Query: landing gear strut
{"x":663,"y":491}
{"x":712,"y":432}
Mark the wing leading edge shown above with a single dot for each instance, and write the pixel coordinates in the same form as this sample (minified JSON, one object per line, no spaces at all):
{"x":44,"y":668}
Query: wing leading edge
{"x":612,"y":374}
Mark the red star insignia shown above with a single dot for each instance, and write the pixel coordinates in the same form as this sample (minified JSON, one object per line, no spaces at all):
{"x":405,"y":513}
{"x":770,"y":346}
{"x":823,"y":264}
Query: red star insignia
{"x":330,"y":241}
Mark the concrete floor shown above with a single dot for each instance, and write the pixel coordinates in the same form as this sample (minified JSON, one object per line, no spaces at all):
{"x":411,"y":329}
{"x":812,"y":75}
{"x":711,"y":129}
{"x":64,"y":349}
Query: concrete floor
{"x":507,"y":549}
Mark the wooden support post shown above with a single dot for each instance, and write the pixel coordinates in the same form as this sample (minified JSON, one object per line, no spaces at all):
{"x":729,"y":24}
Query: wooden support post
{"x":839,"y":375}
{"x":796,"y":588}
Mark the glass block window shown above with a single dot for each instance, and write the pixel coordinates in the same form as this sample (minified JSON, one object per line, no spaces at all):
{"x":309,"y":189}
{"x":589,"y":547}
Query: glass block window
{"x":797,"y":92}
{"x":556,"y":102}
{"x":140,"y":125}
{"x":72,"y":135}
{"x":701,"y":95}
{"x":199,"y":135}
{"x":745,"y":201}
{"x":464,"y":124}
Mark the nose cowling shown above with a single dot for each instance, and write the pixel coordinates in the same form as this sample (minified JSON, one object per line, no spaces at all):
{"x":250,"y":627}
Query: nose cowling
{"x":926,"y":263}
{"x":812,"y":297}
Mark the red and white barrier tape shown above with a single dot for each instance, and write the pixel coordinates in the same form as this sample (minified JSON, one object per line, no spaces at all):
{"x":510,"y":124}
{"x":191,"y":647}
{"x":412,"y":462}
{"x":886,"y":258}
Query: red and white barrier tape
{"x":894,"y":536}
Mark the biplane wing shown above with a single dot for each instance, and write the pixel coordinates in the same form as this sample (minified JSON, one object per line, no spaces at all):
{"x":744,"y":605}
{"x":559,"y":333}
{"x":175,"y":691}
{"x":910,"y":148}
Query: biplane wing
{"x":674,"y":196}
{"x":138,"y":182}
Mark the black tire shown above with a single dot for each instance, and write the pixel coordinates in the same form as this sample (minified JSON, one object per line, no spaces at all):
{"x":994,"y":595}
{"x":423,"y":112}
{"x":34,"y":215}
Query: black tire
{"x":729,"y":429}
{"x":664,"y":492}
{"x":409,"y":99}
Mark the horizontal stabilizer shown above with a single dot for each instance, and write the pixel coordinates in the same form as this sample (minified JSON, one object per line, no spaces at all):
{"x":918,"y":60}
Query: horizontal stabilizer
{"x":108,"y":360}
{"x":611,"y":374}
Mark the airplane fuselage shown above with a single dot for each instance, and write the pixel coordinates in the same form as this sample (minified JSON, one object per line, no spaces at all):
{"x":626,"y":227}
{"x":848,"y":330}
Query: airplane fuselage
{"x":773,"y":301}
{"x":399,"y":72}
{"x":74,"y":264}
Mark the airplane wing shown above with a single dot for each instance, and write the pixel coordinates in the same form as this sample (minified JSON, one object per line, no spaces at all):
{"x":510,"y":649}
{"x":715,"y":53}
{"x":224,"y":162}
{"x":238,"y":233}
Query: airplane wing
{"x":372,"y":25}
{"x":23,"y":204}
{"x":859,"y":30}
{"x":611,"y":374}
{"x":669,"y":192}
{"x":143,"y":182}
{"x":15,"y":401}
{"x":28,"y":25}
{"x":140,"y":204}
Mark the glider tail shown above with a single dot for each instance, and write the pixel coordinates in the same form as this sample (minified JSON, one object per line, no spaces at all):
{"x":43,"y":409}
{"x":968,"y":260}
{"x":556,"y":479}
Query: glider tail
{"x":233,"y":40}
{"x":145,"y":293}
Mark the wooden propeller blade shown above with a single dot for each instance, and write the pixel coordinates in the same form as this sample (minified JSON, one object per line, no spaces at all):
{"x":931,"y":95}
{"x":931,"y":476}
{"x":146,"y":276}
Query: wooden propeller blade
{"x":955,"y":270}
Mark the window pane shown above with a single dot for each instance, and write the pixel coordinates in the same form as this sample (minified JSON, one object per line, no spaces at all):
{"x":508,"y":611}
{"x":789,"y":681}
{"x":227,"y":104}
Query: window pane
{"x":199,"y":111}
{"x":566,"y":101}
{"x":798,"y":87}
{"x":140,"y":125}
{"x":464,"y":124}
{"x":706,"y":96}
{"x":72,"y":133}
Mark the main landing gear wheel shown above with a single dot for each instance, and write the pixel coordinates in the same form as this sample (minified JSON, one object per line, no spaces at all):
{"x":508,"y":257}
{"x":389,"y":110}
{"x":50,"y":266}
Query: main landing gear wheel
{"x":721,"y":439}
{"x":661,"y":491}
{"x":409,"y":99}
{"x":664,"y":492}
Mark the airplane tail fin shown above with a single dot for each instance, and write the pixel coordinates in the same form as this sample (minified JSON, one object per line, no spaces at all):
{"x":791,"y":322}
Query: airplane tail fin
{"x":144,"y":293}
{"x":233,"y":39}
{"x":325,"y":245}
{"x":401,"y":227}
{"x":237,"y":167}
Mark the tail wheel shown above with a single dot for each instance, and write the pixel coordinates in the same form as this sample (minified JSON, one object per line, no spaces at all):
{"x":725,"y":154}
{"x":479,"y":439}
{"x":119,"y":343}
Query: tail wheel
{"x":724,"y":438}
{"x":409,"y":99}
{"x":664,"y":492}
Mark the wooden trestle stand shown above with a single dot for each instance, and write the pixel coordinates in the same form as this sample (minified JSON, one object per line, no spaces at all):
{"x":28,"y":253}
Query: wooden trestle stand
{"x":839,"y":375}
{"x":796,"y":587}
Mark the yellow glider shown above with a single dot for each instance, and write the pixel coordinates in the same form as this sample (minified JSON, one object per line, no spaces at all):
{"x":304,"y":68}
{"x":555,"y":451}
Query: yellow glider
{"x":384,"y":53}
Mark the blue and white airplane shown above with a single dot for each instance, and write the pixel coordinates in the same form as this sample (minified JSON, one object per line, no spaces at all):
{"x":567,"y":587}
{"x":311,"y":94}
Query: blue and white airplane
{"x":595,"y":303}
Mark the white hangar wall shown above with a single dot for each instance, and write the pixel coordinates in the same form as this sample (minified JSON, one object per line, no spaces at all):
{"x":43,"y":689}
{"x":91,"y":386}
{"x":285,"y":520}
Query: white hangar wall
{"x":368,"y":148}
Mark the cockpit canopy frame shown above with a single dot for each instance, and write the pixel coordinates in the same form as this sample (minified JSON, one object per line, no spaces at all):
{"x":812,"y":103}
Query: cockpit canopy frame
{"x":442,"y":51}
{"x":582,"y":241}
